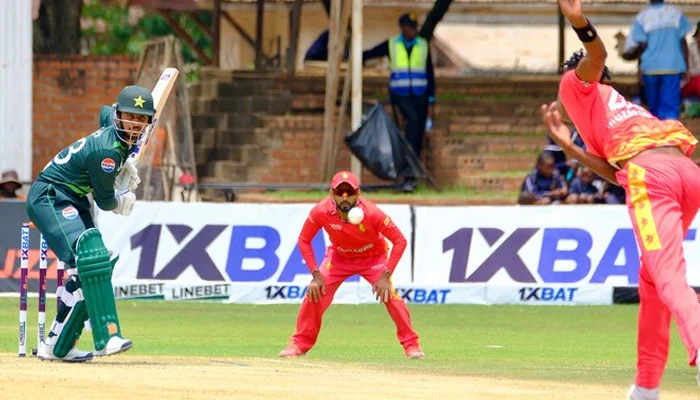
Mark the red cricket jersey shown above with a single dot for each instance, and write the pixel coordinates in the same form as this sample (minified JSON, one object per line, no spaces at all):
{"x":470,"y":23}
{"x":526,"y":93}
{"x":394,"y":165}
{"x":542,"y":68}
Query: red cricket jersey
{"x":614,"y":128}
{"x":366,"y":239}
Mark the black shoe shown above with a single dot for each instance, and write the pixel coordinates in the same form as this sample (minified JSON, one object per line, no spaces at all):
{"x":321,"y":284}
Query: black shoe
{"x":408,"y":187}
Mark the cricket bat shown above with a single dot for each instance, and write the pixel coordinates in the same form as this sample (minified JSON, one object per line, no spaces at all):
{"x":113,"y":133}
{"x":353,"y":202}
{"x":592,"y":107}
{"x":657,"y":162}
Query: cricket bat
{"x":160,"y":94}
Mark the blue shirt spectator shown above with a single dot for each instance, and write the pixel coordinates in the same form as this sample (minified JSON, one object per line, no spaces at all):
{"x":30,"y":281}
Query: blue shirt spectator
{"x":318,"y":51}
{"x":578,"y":186}
{"x":562,"y":164}
{"x":659,"y":31}
{"x":544,"y":185}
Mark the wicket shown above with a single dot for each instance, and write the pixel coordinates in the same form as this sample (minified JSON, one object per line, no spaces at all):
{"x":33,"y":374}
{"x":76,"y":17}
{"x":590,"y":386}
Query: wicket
{"x":23,"y":289}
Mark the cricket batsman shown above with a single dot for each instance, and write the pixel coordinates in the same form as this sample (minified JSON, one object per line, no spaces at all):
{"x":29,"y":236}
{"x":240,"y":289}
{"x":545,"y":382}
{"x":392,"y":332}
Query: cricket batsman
{"x":628,"y":146}
{"x":58,"y":206}
{"x":356,"y":248}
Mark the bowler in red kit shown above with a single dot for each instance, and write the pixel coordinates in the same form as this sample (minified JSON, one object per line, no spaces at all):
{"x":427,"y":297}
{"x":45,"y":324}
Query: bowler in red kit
{"x":650,"y":159}
{"x":360,"y":248}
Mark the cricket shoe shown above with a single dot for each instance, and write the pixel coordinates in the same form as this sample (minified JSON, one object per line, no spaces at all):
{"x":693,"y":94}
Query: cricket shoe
{"x":45,"y":352}
{"x":414,"y":352}
{"x":292,"y":351}
{"x":637,"y":393}
{"x":115,"y":345}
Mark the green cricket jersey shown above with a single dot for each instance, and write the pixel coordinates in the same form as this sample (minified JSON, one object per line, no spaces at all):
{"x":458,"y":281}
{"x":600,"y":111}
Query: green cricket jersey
{"x":89,"y":165}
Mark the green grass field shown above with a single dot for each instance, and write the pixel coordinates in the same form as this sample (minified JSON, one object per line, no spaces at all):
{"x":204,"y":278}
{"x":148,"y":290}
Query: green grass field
{"x":574,"y":344}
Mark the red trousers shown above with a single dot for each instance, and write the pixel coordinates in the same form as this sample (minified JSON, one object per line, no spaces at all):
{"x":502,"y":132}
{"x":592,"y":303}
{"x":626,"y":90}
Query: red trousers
{"x":663,"y":196}
{"x":335,"y":269}
{"x":692,"y":88}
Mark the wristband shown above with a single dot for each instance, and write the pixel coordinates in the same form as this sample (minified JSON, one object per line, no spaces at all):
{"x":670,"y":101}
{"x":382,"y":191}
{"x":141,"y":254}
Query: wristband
{"x":587,"y":33}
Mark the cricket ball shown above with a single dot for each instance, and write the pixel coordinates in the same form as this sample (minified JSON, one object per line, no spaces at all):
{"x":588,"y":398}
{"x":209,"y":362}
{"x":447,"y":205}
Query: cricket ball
{"x":355,"y":215}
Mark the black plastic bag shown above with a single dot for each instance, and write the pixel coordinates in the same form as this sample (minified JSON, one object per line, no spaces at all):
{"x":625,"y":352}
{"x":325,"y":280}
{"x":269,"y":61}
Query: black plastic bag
{"x":381,"y":148}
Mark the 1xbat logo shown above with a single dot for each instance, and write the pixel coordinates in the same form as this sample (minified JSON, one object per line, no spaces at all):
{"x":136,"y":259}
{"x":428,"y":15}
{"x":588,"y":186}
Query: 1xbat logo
{"x":503,"y":254}
{"x":253,"y":253}
{"x":547,"y":294}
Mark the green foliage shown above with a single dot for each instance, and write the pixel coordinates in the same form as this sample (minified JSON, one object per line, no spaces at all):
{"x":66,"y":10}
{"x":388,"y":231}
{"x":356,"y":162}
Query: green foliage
{"x":112,"y":30}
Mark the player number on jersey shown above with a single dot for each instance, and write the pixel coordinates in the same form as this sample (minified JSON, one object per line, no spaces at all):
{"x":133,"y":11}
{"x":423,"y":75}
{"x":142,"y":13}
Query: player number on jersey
{"x":75,"y":148}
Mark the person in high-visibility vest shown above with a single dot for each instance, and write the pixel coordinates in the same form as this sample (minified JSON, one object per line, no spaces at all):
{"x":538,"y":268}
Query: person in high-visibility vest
{"x":412,"y":80}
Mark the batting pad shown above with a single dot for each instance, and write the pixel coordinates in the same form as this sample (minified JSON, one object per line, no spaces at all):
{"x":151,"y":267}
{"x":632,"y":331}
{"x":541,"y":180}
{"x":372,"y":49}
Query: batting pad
{"x":72,"y":328}
{"x":95,"y":273}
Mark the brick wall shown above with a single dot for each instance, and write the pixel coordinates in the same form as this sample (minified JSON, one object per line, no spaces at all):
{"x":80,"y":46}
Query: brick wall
{"x":68,"y":92}
{"x":296,"y":158}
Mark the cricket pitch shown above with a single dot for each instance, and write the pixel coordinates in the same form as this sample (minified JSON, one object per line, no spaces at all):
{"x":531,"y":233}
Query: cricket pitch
{"x":125,"y":376}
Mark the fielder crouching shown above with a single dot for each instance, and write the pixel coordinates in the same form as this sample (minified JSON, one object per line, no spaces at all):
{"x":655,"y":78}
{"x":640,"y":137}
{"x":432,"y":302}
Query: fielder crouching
{"x":59,"y":207}
{"x":355,"y":249}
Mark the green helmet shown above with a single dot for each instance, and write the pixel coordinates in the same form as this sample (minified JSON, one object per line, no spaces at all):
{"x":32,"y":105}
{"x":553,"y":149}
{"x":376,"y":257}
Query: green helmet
{"x":137,"y":100}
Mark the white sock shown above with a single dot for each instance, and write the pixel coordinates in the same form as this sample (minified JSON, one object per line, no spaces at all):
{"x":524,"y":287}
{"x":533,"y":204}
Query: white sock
{"x":641,"y":393}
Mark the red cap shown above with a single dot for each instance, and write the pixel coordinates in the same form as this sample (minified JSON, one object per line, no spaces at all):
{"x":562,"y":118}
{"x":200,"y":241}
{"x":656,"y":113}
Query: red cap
{"x":345,"y":177}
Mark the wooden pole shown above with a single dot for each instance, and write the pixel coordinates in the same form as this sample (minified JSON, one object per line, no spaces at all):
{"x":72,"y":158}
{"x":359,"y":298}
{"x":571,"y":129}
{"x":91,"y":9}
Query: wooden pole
{"x":216,"y":34}
{"x":182,"y":34}
{"x":343,"y":42}
{"x":259,"y":34}
{"x":356,"y":68}
{"x":340,"y":126}
{"x":294,"y":38}
{"x":331,"y":89}
{"x":562,"y":38}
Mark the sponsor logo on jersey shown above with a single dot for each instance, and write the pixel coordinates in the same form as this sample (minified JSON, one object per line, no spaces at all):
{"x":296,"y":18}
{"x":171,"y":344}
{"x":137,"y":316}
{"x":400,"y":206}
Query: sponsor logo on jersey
{"x":108,"y":165}
{"x":69,"y":213}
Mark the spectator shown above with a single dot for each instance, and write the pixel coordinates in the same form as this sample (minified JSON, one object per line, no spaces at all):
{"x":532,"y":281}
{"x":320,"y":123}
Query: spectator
{"x":567,"y":168}
{"x":692,"y":87}
{"x":412,"y":80}
{"x":544,"y":185}
{"x":634,"y":54}
{"x":318,"y":51}
{"x":613,"y":194}
{"x":583,"y":189}
{"x":9,"y":185}
{"x":658,"y":37}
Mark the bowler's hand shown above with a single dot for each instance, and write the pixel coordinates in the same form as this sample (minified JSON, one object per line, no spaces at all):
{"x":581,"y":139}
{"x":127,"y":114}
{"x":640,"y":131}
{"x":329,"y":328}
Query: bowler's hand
{"x":382,"y":288}
{"x":557,"y":130}
{"x":317,"y":287}
{"x":571,"y":9}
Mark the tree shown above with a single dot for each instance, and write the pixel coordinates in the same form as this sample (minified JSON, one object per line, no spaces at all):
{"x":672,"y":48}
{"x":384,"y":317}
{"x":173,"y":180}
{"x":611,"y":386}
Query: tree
{"x":112,"y":29}
{"x":57,"y":29}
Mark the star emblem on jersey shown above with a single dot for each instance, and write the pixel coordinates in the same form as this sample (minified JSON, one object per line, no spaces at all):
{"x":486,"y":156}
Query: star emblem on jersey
{"x":139,"y":101}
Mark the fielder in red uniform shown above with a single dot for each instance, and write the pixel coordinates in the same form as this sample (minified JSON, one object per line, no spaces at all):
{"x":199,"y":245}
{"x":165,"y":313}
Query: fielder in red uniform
{"x":649,"y":158}
{"x":355,"y":249}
